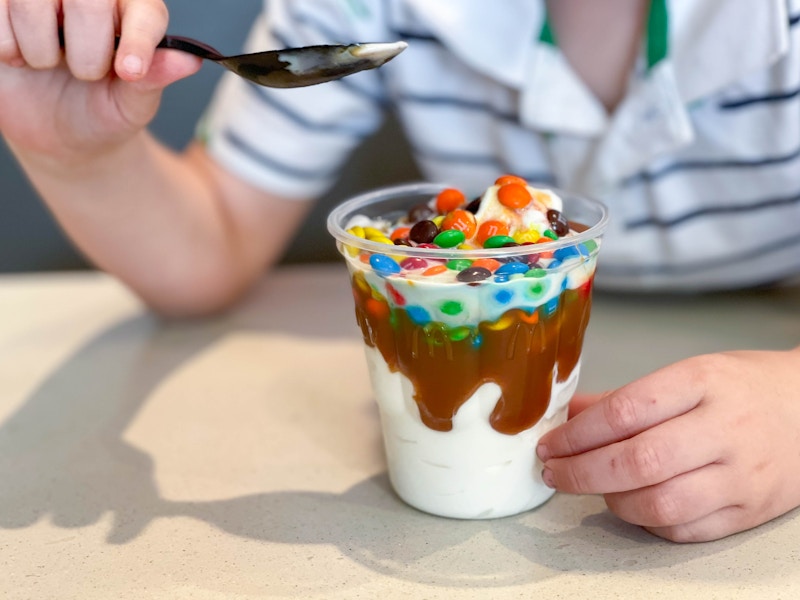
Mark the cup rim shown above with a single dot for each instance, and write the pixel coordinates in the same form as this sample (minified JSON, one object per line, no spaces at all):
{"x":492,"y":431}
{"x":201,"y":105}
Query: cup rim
{"x":351,"y":207}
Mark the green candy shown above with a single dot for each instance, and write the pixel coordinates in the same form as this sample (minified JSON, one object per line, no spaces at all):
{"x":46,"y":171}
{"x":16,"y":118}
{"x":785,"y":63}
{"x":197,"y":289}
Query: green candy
{"x":550,"y":234}
{"x":449,"y":238}
{"x":451,"y":307}
{"x":458,"y":264}
{"x":497,"y":241}
{"x":459,"y":333}
{"x":537,"y":273}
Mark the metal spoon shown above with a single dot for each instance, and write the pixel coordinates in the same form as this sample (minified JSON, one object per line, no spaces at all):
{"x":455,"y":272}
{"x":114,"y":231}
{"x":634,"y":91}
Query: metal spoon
{"x":291,"y":67}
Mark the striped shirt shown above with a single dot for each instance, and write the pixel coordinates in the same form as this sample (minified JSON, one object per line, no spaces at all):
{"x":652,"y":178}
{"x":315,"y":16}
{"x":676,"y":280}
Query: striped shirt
{"x":699,"y":164}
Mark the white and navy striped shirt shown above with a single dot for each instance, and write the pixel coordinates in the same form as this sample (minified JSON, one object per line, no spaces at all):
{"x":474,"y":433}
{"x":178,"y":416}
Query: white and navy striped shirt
{"x":699,"y":165}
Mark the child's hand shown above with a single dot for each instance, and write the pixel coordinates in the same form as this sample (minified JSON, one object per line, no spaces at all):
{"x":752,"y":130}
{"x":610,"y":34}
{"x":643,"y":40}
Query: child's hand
{"x":76,"y":103}
{"x":696,"y":451}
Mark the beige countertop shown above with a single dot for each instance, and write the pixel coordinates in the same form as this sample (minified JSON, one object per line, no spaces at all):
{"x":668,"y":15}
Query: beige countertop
{"x":240,"y":457}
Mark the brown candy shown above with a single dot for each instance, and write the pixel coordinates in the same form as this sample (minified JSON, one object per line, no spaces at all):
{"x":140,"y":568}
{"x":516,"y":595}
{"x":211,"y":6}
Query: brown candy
{"x":423,"y":232}
{"x":558,"y":222}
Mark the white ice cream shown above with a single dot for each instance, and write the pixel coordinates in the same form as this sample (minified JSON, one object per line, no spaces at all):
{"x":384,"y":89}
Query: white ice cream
{"x":471,"y":471}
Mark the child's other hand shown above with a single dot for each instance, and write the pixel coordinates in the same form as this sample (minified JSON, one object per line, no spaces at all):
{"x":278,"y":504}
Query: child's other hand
{"x":696,"y":451}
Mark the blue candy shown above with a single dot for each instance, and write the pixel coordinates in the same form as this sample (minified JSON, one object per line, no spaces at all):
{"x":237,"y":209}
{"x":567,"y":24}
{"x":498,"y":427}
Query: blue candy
{"x":563,"y":254}
{"x":512,"y":268}
{"x":418,"y":315}
{"x":503,"y":296}
{"x":384,"y":265}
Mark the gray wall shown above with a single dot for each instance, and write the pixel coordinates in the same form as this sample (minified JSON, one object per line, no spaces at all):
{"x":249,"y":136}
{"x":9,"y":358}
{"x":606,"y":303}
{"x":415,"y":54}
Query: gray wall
{"x":31,"y":241}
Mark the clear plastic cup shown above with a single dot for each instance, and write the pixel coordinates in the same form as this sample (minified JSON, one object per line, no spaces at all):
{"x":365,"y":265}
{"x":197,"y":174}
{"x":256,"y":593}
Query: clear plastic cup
{"x":468,"y":375}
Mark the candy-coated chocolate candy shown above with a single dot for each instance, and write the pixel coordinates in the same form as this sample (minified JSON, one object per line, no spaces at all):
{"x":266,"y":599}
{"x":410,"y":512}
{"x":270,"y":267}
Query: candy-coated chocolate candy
{"x":434,"y":270}
{"x":385,"y":265}
{"x":489,"y":229}
{"x":449,"y":199}
{"x":413,"y":262}
{"x":513,"y":267}
{"x":423,"y":232}
{"x":503,"y":296}
{"x":418,"y":315}
{"x":536,"y":273}
{"x":357,"y":231}
{"x":458,"y":264}
{"x":497,"y":241}
{"x":514,"y":195}
{"x":504,"y":179}
{"x":449,"y":238}
{"x":459,"y":333}
{"x":420,"y":212}
{"x":400,"y":233}
{"x":487,"y":263}
{"x":549,"y":233}
{"x":558,"y":222}
{"x":461,"y":220}
{"x":563,"y":254}
{"x":451,"y":307}
{"x":401,"y":242}
{"x":471,"y":274}
{"x":474,"y":206}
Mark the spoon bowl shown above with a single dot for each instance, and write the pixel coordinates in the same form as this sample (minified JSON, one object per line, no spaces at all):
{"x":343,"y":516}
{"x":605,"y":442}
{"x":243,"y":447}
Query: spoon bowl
{"x":294,"y":67}
{"x":290,"y":67}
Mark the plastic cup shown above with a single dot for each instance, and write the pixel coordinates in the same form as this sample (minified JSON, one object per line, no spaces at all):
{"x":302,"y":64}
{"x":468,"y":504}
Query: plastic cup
{"x":468,"y":375}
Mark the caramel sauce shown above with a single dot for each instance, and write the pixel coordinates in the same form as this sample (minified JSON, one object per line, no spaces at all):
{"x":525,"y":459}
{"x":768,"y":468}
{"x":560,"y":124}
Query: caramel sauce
{"x":520,"y":352}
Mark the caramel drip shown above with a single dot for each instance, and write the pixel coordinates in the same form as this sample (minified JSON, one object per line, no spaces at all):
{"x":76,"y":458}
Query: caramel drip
{"x":520,"y":352}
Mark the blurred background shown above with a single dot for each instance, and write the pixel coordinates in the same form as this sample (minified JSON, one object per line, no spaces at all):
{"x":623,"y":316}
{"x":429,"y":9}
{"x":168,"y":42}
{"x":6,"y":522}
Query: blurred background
{"x":30,"y":240}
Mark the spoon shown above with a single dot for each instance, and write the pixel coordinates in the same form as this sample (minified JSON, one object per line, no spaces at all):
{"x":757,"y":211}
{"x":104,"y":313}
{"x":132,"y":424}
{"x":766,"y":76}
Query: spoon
{"x":290,"y":67}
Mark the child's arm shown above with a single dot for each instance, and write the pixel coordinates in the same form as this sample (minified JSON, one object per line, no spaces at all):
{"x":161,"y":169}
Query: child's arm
{"x":77,"y":126}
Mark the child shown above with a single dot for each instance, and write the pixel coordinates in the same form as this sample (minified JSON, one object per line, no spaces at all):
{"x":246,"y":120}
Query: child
{"x":689,"y":135}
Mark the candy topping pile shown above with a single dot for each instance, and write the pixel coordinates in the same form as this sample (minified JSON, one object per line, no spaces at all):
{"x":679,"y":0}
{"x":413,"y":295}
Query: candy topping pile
{"x":510,"y":214}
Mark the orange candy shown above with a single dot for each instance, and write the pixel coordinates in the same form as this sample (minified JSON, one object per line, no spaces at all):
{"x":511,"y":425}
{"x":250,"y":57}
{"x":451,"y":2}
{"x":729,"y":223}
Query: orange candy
{"x":514,"y":195}
{"x":401,"y":233}
{"x":460,"y":219}
{"x":377,"y":308}
{"x":435,"y":270}
{"x":487,"y":263}
{"x":504,"y":179}
{"x":489,"y":229}
{"x":449,"y":199}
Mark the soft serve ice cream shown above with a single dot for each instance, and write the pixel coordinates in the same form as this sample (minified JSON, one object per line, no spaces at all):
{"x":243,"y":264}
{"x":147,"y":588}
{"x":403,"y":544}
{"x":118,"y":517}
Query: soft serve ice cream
{"x":472,"y":314}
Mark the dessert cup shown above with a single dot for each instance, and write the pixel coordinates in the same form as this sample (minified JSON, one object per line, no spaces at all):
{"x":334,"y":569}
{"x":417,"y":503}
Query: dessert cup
{"x":468,"y":375}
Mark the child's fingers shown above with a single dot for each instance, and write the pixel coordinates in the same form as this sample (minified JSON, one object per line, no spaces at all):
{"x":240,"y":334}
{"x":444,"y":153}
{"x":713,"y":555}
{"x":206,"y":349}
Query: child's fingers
{"x":721,"y":523}
{"x":677,"y":446}
{"x":143,"y":25}
{"x":35,"y":26}
{"x":89,"y":38}
{"x":682,"y":499}
{"x":625,"y":412}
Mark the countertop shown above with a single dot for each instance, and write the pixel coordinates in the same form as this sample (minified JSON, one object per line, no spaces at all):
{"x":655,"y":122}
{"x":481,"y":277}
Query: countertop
{"x":240,"y":457}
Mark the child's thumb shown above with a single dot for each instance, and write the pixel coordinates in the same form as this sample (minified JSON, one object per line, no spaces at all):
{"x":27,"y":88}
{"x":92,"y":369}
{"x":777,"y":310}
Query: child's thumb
{"x":138,"y":100}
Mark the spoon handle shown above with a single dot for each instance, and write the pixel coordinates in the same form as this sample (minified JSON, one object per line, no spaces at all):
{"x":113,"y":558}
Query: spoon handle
{"x":174,"y":42}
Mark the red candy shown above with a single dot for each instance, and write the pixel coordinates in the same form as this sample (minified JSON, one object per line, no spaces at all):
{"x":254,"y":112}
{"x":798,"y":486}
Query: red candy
{"x":413,"y":262}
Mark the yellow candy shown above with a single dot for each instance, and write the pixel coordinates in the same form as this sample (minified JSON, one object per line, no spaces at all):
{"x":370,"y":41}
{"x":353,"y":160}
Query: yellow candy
{"x":357,"y":231}
{"x":382,"y":239}
{"x":438,"y":220}
{"x":522,"y":237}
{"x":361,"y":282}
{"x":503,"y":322}
{"x":371,"y":233}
